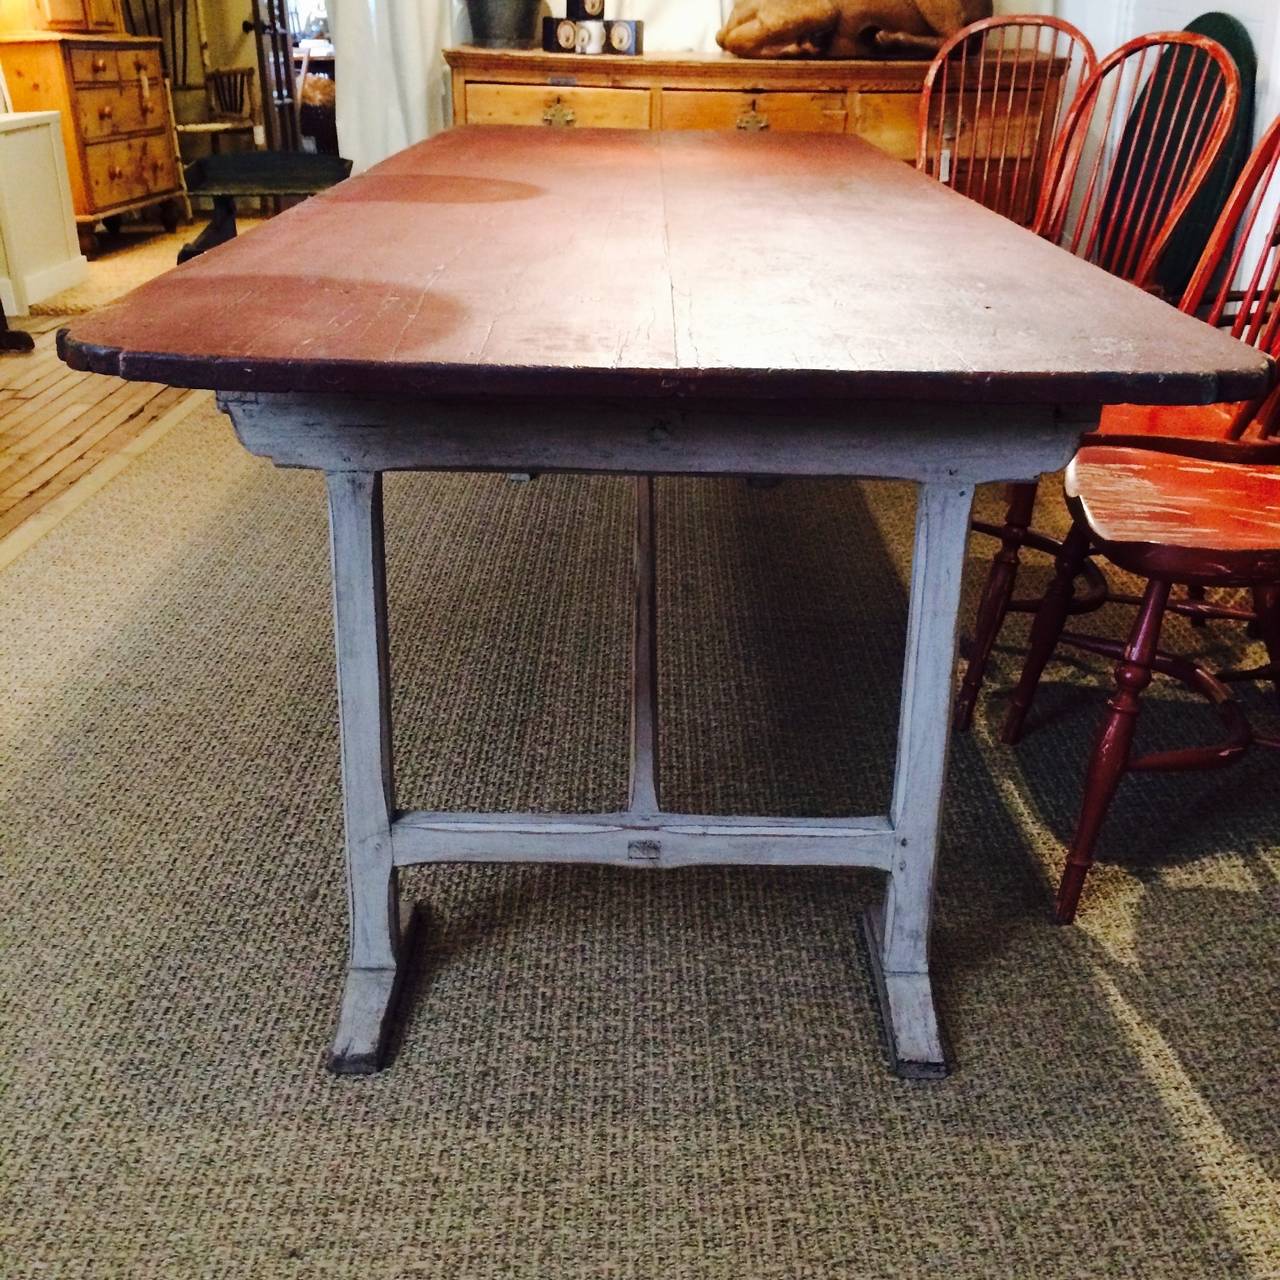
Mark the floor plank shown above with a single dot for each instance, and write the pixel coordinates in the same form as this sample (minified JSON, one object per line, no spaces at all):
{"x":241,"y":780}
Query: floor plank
{"x":63,"y":434}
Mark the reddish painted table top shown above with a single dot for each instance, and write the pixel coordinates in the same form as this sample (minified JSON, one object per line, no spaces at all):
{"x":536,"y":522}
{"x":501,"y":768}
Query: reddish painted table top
{"x":590,"y":262}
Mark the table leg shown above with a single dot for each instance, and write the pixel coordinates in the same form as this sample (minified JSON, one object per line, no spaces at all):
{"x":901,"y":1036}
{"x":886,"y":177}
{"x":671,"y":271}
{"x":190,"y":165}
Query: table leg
{"x":368,"y":787}
{"x":898,"y":933}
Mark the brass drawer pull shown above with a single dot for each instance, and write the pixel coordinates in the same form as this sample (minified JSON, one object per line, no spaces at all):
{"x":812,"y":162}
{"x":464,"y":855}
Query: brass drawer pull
{"x":558,"y":116}
{"x":104,"y":112}
{"x":114,"y":173}
{"x":99,"y":65}
{"x":751,"y":121}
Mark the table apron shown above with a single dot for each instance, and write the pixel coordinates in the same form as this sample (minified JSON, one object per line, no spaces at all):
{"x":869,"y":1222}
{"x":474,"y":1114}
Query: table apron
{"x":905,"y":441}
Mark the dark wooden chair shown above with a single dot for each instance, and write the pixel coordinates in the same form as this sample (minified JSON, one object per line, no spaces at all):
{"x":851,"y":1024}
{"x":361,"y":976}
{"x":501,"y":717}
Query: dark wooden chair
{"x":1138,"y":143}
{"x":993,"y":103}
{"x":229,"y":92}
{"x":254,"y":173}
{"x":1180,"y":496}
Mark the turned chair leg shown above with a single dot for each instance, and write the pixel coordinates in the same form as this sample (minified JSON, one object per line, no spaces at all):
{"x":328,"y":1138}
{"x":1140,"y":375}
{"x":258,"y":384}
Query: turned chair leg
{"x":995,"y":599}
{"x":1050,"y":618}
{"x":1266,"y":608}
{"x":1111,"y":754}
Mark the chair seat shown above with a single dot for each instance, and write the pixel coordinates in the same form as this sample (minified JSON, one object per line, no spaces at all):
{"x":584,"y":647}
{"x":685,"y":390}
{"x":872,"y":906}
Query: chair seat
{"x":1187,"y":519}
{"x":1174,"y":421}
{"x":217,"y":126}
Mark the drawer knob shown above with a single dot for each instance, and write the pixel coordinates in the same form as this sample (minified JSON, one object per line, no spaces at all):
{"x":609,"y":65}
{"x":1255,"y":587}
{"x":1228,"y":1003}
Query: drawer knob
{"x":99,"y":64}
{"x":115,"y":172}
{"x":138,"y":64}
{"x":558,"y":116}
{"x":751,"y":121}
{"x":104,"y":113}
{"x":148,"y":108}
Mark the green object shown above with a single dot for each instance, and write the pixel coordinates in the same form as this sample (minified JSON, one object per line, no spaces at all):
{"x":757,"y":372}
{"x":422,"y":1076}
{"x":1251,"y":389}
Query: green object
{"x":254,"y":173}
{"x":1188,"y":242}
{"x":265,"y":173}
{"x":1143,"y":158}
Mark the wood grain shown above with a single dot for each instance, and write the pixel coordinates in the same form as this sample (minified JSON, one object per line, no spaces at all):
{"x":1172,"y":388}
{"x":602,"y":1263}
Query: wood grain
{"x":580,"y":263}
{"x":1144,"y":496}
{"x":63,"y":433}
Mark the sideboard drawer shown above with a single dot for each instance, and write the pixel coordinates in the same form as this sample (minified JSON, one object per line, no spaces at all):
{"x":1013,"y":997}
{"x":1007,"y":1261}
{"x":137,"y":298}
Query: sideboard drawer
{"x":778,"y":112}
{"x":556,"y":105}
{"x":115,"y":172}
{"x":136,"y":64}
{"x":94,"y":65}
{"x":156,"y":164}
{"x":107,"y":110}
{"x":130,"y":169}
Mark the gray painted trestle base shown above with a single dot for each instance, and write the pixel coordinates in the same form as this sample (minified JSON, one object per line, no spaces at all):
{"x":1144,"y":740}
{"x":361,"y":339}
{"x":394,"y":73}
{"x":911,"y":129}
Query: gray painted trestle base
{"x":945,"y":449}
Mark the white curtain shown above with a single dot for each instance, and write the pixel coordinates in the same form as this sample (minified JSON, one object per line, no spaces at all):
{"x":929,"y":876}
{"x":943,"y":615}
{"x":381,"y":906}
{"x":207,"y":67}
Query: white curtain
{"x":392,"y":81}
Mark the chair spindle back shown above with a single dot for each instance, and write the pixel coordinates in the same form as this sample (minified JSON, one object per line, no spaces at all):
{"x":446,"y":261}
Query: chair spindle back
{"x":1236,"y":285}
{"x":230,"y":92}
{"x":1138,"y":142}
{"x":993,"y":102}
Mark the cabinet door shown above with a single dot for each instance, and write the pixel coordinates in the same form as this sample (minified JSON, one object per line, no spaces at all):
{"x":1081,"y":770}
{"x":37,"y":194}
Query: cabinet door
{"x":102,"y":15}
{"x":64,"y":13}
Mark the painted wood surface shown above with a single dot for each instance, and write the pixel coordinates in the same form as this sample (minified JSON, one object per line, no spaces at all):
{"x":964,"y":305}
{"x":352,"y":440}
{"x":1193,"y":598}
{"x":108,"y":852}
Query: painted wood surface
{"x":655,"y":839}
{"x":712,"y":264}
{"x":483,"y":434}
{"x":942,"y":527}
{"x":643,"y":772}
{"x":364,"y":706}
{"x":1182,"y":508}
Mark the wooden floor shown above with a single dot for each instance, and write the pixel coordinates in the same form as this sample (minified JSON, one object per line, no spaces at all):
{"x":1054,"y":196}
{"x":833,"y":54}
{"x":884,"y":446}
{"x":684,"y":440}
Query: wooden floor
{"x":64,"y":434}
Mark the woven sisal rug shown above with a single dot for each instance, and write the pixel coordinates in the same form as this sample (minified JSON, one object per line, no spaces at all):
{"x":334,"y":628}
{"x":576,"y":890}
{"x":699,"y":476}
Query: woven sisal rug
{"x":598,"y":1073}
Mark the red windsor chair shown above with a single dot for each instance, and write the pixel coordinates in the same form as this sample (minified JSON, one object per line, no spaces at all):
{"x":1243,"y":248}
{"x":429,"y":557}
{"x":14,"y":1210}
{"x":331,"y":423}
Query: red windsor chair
{"x":1187,"y":495}
{"x":1138,"y":142}
{"x":993,"y":103}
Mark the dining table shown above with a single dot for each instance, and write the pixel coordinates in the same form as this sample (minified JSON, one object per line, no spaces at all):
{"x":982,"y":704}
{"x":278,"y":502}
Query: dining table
{"x":651,"y":304}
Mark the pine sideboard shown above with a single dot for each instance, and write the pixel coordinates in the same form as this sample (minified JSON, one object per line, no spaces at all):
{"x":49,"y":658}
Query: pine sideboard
{"x":875,"y":100}
{"x":116,"y":122}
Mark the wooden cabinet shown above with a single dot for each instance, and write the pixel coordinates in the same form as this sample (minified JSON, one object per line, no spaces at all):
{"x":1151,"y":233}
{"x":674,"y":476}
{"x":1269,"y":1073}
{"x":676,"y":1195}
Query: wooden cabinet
{"x":115,"y":115}
{"x":38,"y":251}
{"x":59,"y":15}
{"x":877,"y":100}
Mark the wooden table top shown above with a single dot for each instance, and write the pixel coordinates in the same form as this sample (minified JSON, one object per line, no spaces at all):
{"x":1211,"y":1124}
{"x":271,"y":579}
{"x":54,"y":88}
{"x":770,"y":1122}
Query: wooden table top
{"x":518,"y":261}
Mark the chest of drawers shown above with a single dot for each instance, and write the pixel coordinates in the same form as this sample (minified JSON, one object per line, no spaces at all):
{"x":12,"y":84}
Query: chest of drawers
{"x":116,"y":122}
{"x":876,"y":100}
